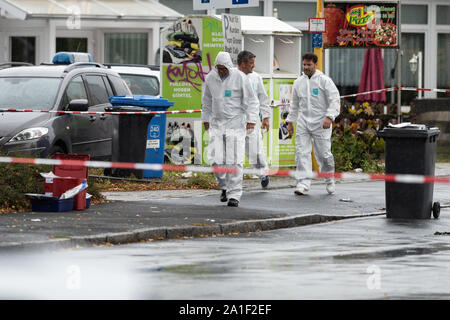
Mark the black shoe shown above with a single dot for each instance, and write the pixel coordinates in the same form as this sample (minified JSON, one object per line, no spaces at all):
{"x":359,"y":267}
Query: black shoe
{"x":223,"y":196}
{"x":265,"y":181}
{"x":233,"y":203}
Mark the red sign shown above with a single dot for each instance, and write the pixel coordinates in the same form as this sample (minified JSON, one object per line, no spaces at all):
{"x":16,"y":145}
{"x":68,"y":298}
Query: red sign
{"x":361,"y":25}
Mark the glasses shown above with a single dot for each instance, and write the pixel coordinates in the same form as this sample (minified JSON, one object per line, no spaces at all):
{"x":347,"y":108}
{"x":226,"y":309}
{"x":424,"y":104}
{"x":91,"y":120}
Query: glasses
{"x":223,"y":69}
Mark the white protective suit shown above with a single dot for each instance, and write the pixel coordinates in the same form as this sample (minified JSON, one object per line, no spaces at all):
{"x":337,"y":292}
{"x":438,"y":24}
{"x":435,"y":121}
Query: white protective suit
{"x":254,"y":147}
{"x":228,"y":104}
{"x":313,"y":99}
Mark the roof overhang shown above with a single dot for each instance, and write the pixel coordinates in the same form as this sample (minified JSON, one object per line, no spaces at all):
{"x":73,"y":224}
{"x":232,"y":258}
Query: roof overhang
{"x":126,"y":10}
{"x":266,"y":26}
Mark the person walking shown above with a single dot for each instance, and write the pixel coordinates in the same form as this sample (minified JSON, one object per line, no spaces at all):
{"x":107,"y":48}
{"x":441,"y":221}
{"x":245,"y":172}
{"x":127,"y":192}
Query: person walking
{"x":229,"y":109}
{"x":315,"y":105}
{"x":254,"y":147}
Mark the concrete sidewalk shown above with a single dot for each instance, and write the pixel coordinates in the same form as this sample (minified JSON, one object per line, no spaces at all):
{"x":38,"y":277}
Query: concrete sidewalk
{"x":139,"y":216}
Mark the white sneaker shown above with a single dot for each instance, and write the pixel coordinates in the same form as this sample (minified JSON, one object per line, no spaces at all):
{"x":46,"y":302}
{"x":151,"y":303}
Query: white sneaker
{"x":331,"y":188}
{"x":301,"y":191}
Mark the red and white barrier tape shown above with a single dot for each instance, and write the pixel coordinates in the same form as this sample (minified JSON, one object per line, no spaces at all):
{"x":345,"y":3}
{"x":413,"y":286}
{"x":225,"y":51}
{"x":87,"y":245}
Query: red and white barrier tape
{"x":423,"y":89}
{"x":101,"y":112}
{"x":199,"y":110}
{"x":368,"y":92}
{"x":401,"y":178}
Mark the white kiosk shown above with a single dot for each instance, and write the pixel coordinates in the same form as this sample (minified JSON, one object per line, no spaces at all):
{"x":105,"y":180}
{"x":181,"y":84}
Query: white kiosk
{"x":277,"y":47}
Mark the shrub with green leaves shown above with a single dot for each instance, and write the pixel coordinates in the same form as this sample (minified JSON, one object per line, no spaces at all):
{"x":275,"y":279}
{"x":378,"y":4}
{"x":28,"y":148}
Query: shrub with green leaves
{"x":356,"y":150}
{"x":18,"y":179}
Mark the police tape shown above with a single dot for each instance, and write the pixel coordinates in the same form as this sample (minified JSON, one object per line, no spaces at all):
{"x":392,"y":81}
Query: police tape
{"x":101,"y":112}
{"x":369,"y":92}
{"x":400,"y":178}
{"x":423,"y":89}
{"x":199,"y":110}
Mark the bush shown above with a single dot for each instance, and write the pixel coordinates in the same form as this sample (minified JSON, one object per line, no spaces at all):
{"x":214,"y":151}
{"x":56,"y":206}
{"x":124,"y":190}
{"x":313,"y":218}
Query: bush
{"x":16,"y":180}
{"x":355,"y":143}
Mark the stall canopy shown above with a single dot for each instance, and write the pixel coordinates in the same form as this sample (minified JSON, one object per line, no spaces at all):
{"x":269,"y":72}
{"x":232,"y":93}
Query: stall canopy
{"x":88,"y":9}
{"x":372,"y":76}
{"x":266,"y":25}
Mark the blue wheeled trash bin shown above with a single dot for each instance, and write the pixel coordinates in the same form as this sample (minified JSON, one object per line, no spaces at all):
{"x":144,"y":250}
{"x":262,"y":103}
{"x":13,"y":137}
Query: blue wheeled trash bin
{"x":410,"y":150}
{"x":150,"y":144}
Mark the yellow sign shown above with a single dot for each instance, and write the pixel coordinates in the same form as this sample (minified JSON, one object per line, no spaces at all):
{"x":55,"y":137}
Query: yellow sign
{"x":358,"y":17}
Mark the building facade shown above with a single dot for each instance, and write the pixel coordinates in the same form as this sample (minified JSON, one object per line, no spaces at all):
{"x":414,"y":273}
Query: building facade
{"x":112,"y":31}
{"x":425,"y":27}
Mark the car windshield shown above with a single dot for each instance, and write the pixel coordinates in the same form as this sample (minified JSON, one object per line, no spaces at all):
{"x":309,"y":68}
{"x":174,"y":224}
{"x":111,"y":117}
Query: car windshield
{"x":28,"y":93}
{"x":141,"y":84}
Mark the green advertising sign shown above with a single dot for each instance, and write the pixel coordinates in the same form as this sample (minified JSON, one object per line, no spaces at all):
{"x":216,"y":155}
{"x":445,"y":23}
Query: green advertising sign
{"x":283,"y":152}
{"x":190,"y":47}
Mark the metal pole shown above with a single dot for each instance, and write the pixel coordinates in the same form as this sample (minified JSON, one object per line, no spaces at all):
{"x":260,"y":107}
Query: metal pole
{"x":419,"y":74}
{"x":319,"y":51}
{"x":399,"y":65}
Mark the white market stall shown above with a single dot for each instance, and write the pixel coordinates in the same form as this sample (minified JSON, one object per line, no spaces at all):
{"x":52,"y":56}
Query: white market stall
{"x":277,"y":47}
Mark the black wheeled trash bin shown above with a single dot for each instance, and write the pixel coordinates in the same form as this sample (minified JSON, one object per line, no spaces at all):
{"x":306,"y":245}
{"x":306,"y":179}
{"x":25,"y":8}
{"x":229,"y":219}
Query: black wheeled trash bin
{"x":410,"y":150}
{"x":129,"y":139}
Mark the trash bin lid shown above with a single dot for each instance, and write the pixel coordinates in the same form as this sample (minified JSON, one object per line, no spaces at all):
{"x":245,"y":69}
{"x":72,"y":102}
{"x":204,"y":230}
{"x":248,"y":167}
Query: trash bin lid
{"x":408,"y":130}
{"x":141,"y":101}
{"x":120,"y":108}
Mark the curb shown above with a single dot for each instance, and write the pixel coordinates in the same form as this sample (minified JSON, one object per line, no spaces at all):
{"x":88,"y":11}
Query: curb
{"x":166,"y":233}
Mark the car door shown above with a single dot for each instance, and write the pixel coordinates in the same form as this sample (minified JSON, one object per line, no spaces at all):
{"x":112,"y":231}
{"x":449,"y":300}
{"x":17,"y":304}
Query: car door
{"x":77,"y":125}
{"x":100,"y":131}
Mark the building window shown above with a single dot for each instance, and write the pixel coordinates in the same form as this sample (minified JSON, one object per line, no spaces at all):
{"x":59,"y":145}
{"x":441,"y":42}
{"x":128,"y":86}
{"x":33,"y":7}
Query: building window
{"x":412,"y":43}
{"x":126,"y":48}
{"x":246,"y":11}
{"x":295,"y":11}
{"x":345,"y":69}
{"x":443,"y":15}
{"x":443,"y":64}
{"x":23,"y":49}
{"x":306,"y":42}
{"x":414,"y":14}
{"x":72,"y":44}
{"x":182,"y":6}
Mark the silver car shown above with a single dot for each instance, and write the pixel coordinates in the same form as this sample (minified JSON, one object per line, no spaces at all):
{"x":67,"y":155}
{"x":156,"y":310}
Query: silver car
{"x":80,"y":86}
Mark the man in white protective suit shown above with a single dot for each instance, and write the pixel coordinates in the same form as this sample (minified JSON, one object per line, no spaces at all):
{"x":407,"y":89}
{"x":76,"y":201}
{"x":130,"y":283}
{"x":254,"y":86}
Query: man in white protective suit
{"x":315,"y":105}
{"x":229,"y":109}
{"x":254,"y":147}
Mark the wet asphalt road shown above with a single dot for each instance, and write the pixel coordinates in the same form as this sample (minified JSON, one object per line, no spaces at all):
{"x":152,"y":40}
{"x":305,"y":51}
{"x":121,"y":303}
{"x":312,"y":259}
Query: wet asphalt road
{"x":363,"y":258}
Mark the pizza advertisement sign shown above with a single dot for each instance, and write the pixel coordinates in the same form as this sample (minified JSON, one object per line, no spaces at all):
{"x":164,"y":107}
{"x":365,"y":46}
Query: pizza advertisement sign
{"x":361,"y":25}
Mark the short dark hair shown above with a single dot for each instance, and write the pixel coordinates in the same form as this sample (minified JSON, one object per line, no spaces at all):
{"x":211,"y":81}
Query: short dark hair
{"x":310,"y":56}
{"x":244,"y":56}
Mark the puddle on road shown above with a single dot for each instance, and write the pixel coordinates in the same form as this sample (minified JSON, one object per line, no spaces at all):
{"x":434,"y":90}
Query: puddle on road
{"x":393,"y":253}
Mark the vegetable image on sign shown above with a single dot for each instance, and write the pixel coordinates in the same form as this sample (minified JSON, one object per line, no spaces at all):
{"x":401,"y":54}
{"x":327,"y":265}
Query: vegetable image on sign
{"x":364,"y":25}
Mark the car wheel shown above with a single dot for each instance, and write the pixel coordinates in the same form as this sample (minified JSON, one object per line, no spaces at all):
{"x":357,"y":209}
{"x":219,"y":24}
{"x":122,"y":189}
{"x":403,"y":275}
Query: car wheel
{"x":55,"y":149}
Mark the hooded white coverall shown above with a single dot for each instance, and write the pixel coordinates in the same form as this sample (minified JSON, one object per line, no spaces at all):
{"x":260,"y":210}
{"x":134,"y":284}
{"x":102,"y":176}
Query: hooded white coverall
{"x":228,"y":104}
{"x":254,"y":147}
{"x":313,"y":99}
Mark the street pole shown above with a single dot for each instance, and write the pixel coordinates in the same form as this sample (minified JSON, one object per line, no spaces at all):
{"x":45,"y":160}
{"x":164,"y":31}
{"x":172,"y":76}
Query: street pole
{"x":399,"y":65}
{"x":319,"y":51}
{"x":419,"y":74}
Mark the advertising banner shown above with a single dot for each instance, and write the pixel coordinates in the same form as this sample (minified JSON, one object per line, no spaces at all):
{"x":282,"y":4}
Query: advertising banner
{"x":283,"y":146}
{"x":361,"y":24}
{"x":190,"y":47}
